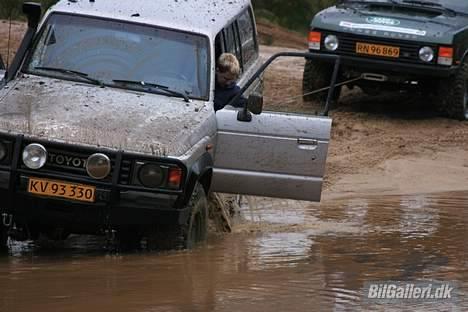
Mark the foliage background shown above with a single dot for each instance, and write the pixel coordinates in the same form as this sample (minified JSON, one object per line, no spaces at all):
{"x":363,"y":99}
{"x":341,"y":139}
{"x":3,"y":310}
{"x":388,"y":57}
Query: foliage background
{"x":292,"y":14}
{"x":295,"y":14}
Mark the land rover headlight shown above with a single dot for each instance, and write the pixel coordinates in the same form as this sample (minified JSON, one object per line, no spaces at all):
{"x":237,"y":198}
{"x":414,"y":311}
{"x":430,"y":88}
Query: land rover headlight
{"x":426,"y":54}
{"x":151,"y":175}
{"x":331,"y":42}
{"x":34,"y":156}
{"x":3,"y":151}
{"x":98,"y":166}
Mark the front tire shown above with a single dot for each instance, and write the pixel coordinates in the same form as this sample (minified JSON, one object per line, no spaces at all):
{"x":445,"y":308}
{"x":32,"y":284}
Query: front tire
{"x":188,"y":235}
{"x":3,"y":238}
{"x":453,"y":94}
{"x":318,"y":75}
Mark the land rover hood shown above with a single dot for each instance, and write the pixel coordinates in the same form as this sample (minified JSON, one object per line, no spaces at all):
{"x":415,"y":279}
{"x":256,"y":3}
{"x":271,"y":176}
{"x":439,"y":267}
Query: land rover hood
{"x":410,"y":26}
{"x":78,"y":113}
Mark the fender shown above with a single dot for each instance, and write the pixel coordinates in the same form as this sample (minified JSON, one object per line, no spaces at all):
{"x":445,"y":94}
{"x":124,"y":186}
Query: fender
{"x":464,"y":58}
{"x":201,"y":171}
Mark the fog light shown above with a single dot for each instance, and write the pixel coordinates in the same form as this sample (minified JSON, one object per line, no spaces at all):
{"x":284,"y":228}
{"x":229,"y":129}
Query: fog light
{"x":34,"y":156}
{"x":331,"y":42}
{"x":98,"y":166}
{"x":151,"y":175}
{"x":426,"y":54}
{"x":3,"y":151}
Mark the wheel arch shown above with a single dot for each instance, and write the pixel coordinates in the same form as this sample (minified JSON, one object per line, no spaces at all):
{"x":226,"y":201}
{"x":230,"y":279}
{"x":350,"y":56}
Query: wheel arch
{"x":201,"y":171}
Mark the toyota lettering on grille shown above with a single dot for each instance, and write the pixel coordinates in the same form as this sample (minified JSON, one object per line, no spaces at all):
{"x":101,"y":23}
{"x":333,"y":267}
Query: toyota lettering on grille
{"x":65,"y":160}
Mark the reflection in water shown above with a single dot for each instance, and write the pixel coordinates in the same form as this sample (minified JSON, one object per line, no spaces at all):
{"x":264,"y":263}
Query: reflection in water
{"x":288,"y":256}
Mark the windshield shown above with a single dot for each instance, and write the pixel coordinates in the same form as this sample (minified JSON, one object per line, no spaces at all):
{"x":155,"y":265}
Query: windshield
{"x":455,"y":5}
{"x":107,"y":50}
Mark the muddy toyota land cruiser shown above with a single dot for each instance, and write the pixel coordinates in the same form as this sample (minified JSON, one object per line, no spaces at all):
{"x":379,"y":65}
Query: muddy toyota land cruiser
{"x":394,"y":44}
{"x":107,"y":123}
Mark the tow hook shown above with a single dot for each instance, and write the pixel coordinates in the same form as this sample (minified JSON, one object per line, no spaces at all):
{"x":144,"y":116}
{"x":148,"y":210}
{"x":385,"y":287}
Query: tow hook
{"x":7,"y":219}
{"x":374,"y":77}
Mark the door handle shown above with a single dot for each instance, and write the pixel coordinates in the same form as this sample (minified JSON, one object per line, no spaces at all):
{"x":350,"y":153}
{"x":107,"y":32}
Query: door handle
{"x":307,"y":144}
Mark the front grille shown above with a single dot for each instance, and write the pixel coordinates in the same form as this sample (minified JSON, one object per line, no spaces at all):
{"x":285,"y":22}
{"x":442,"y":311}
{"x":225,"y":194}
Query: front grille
{"x":409,"y":50}
{"x":71,"y":162}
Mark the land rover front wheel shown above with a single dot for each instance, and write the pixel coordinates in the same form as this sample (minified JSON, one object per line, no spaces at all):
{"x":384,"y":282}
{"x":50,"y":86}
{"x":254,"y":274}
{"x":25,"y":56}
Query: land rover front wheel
{"x":317,"y":75}
{"x":454,"y":94}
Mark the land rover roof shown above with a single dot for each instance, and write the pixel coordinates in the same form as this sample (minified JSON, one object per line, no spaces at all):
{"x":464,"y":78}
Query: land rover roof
{"x":206,"y":17}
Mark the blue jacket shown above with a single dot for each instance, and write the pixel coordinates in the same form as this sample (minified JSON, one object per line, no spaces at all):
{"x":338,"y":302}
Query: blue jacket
{"x":224,"y":95}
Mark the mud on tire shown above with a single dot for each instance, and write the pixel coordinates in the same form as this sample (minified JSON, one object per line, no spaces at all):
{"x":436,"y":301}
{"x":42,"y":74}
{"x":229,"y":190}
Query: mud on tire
{"x":453,"y":94}
{"x":184,"y":236}
{"x":317,"y":75}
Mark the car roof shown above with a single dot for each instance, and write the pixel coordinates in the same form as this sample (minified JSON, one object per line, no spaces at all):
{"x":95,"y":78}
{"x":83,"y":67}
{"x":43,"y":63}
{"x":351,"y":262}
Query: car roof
{"x":206,"y":17}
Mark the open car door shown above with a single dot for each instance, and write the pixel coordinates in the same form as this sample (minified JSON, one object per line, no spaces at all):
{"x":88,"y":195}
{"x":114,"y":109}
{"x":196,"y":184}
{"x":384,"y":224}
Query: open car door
{"x":272,"y":154}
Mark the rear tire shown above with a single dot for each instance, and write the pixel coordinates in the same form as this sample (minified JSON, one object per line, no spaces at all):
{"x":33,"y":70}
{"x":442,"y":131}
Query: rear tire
{"x":453,"y":94}
{"x":186,"y":236}
{"x":318,"y":75}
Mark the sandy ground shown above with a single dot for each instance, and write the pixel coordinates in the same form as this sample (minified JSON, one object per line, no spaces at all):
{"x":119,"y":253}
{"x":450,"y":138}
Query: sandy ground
{"x":385,"y":144}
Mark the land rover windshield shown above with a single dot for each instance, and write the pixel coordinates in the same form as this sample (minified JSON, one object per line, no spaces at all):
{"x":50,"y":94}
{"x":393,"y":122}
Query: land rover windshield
{"x":460,"y":6}
{"x":118,"y":54}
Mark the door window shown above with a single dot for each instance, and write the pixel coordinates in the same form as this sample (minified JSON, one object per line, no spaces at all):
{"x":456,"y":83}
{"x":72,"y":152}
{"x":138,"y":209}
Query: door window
{"x":231,"y":42}
{"x":247,"y":38}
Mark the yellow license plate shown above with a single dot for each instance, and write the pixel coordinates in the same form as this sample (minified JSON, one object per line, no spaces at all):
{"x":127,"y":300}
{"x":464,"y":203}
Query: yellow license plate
{"x":61,"y":189}
{"x":377,"y":49}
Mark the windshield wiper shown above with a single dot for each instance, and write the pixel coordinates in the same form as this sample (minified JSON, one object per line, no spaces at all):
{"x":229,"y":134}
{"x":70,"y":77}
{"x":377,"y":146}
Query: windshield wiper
{"x":73,"y":72}
{"x":154,"y":85}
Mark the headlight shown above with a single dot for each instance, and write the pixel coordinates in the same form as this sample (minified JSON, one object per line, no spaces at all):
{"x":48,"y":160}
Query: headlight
{"x":331,"y":42}
{"x":426,"y":54}
{"x":98,"y":166}
{"x":151,"y":175}
{"x":3,"y":151}
{"x":34,"y":156}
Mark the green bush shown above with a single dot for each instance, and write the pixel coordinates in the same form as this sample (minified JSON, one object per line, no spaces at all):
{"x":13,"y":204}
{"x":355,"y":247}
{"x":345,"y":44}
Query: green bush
{"x":294,"y":15}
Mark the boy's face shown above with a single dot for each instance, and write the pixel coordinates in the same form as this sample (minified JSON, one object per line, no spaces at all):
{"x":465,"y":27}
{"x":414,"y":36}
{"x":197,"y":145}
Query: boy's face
{"x":225,"y":79}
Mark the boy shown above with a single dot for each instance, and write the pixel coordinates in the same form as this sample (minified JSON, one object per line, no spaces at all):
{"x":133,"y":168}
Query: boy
{"x":227,"y":73}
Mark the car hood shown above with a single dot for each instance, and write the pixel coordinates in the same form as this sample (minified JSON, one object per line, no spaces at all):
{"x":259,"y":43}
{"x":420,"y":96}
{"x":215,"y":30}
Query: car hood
{"x":79,"y":113}
{"x":406,"y":24}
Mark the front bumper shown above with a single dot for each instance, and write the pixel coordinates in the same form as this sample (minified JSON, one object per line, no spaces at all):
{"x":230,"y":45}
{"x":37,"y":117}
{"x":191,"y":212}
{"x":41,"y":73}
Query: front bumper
{"x":115,"y":205}
{"x":394,"y":68}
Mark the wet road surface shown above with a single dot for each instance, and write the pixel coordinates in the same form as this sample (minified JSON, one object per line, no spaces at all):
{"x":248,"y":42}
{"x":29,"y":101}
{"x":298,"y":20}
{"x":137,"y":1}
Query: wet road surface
{"x":283,"y":256}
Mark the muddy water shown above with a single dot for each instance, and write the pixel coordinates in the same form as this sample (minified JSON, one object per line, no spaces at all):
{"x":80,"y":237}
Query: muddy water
{"x":283,"y":256}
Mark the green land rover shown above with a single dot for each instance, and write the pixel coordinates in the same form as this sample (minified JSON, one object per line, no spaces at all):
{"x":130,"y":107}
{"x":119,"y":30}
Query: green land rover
{"x":395,"y":44}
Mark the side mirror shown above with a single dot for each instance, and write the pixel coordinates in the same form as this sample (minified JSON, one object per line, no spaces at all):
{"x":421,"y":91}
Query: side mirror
{"x":255,"y":103}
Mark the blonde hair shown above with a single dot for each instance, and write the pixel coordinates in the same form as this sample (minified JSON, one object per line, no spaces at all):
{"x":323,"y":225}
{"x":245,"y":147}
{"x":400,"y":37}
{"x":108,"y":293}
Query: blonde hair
{"x":228,"y":63}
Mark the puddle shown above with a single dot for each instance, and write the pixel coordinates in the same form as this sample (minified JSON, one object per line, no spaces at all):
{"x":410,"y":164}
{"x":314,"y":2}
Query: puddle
{"x":283,"y":256}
